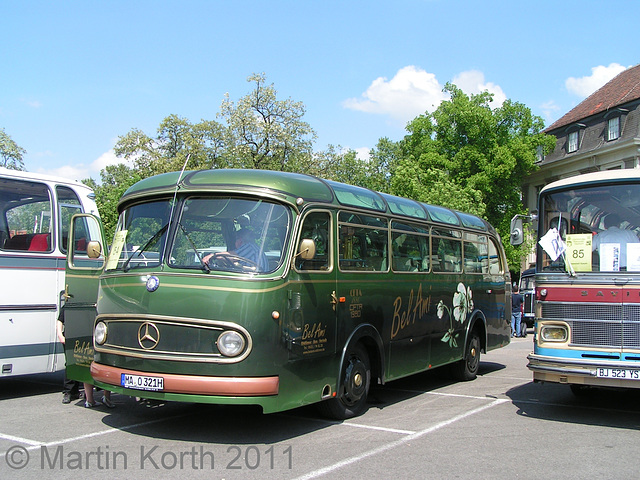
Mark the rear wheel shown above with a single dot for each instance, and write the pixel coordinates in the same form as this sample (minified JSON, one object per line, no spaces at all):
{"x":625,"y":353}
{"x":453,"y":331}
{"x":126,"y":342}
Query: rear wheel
{"x":467,"y":368}
{"x":351,"y":397}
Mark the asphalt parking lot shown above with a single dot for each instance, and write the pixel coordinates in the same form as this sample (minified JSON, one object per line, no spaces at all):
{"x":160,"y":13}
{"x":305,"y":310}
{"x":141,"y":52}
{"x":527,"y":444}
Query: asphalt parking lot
{"x":427,"y":426}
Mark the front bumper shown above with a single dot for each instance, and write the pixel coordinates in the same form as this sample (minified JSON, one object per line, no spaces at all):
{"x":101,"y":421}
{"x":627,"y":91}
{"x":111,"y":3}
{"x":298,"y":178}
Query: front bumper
{"x":578,"y":372}
{"x":195,"y":384}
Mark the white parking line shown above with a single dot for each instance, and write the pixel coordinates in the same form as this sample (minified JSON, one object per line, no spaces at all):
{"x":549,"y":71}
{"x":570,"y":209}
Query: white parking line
{"x":383,"y":429}
{"x":34,"y":444}
{"x":19,"y":439}
{"x":389,"y":446}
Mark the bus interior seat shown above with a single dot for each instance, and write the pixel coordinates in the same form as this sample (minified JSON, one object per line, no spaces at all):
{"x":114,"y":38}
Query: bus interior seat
{"x":33,"y":242}
{"x":81,"y":245}
{"x":40,"y":242}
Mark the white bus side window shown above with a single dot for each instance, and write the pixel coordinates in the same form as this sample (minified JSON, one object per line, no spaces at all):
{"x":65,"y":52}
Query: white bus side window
{"x":27,"y":213}
{"x":69,"y":205}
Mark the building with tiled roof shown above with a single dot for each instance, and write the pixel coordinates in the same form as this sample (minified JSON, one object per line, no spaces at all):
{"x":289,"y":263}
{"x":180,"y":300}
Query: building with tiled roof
{"x":600,"y":133}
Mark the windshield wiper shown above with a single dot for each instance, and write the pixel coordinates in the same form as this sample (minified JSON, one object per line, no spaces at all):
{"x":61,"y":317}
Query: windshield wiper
{"x":205,"y":266}
{"x":144,"y":247}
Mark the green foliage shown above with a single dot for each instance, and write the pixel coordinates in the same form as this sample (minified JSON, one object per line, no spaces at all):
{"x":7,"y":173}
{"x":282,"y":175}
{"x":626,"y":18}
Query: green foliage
{"x":468,"y":156}
{"x":115,"y":179}
{"x":265,"y":133}
{"x":10,"y":152}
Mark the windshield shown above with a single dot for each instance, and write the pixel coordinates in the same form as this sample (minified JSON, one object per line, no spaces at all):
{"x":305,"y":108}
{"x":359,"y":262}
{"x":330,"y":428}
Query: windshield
{"x":590,"y":229}
{"x":208,"y":233}
{"x":230,"y":234}
{"x":140,"y":236}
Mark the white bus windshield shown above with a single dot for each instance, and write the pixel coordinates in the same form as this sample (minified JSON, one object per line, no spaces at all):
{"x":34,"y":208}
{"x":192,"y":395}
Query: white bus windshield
{"x":590,"y":229}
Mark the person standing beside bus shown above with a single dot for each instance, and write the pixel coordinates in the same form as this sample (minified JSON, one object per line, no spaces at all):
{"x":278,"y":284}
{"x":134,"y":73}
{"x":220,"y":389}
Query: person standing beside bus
{"x":517,"y":301}
{"x":71,"y":387}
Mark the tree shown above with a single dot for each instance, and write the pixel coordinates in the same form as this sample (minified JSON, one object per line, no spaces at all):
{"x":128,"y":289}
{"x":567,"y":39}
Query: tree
{"x":10,"y":152}
{"x":115,"y":179}
{"x":266,"y":133}
{"x":258,"y":131}
{"x":481,"y":154}
{"x":177,"y":138}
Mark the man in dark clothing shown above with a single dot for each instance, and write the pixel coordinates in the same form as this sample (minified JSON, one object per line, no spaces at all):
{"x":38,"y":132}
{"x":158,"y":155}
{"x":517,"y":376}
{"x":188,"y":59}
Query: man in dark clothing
{"x":516,"y":311}
{"x":71,"y":388}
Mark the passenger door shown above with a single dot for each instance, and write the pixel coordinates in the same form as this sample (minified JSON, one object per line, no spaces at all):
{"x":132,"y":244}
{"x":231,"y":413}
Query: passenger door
{"x":310,"y":327}
{"x":81,"y":293}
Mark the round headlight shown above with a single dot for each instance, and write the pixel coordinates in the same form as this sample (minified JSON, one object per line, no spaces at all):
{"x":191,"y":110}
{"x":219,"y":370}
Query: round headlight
{"x":100,"y":333}
{"x":230,"y":343}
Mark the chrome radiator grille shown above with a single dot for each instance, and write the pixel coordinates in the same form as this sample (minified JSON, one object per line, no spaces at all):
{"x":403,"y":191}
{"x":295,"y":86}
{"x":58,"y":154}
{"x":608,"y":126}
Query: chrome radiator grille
{"x":598,"y":325}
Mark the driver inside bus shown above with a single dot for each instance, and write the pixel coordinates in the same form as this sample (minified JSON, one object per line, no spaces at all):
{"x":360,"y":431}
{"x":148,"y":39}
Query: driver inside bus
{"x":613,"y":234}
{"x":245,"y":249}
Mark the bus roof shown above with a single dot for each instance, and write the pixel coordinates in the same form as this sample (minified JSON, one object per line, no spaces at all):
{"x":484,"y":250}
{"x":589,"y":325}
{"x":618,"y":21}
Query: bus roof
{"x":296,"y":189}
{"x":8,"y":173}
{"x":595,"y":177}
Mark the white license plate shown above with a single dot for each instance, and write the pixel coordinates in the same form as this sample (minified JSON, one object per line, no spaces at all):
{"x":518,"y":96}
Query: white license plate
{"x":141,"y":382}
{"x":622,"y":373}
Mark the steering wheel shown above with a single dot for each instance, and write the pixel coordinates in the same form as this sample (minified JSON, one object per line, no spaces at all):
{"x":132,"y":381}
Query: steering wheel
{"x":233,"y":261}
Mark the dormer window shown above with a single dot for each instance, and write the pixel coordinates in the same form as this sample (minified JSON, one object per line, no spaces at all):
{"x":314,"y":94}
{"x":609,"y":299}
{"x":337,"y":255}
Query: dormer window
{"x":572,"y":143}
{"x":613,"y":128}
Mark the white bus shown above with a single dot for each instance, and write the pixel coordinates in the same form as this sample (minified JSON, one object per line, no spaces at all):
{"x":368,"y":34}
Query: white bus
{"x":35,"y":213}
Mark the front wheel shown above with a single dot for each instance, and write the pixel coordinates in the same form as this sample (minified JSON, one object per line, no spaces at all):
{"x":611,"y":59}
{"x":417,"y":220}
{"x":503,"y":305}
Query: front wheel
{"x":467,"y":368}
{"x":355,"y":379}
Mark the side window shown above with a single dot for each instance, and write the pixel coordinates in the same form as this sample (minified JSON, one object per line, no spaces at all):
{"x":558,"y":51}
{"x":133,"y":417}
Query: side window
{"x":446,"y":251}
{"x":27,"y":216}
{"x":493,"y":265}
{"x":475,"y":251}
{"x":83,"y":230}
{"x":410,"y":248}
{"x":68,"y":206}
{"x":363,"y":242}
{"x":317,"y":227}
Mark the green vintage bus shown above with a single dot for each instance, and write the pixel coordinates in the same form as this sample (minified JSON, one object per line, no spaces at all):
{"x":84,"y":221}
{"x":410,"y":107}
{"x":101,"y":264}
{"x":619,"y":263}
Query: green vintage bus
{"x":278,"y":289}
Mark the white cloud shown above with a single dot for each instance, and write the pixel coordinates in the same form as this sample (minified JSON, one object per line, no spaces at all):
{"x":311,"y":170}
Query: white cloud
{"x":585,"y":86}
{"x":414,"y":91}
{"x":70,"y":172}
{"x":81,"y":171}
{"x":104,"y":160}
{"x":363,"y":153}
{"x":411,"y":92}
{"x":473,"y":82}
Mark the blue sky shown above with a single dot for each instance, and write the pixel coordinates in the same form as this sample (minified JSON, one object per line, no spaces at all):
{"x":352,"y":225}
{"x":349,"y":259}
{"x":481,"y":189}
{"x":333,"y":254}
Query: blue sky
{"x":77,"y":74}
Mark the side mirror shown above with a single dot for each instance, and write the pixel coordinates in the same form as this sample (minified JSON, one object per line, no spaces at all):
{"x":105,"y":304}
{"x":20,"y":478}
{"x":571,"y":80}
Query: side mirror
{"x":307,"y":249}
{"x":517,"y":231}
{"x":94,"y":249}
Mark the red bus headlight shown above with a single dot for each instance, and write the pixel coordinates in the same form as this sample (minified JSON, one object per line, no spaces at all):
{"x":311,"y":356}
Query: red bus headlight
{"x":554,"y":333}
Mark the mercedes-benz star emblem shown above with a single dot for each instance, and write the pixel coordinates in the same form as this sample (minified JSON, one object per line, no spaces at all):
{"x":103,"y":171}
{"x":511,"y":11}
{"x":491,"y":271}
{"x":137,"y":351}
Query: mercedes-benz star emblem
{"x":153,"y":283}
{"x":148,"y":336}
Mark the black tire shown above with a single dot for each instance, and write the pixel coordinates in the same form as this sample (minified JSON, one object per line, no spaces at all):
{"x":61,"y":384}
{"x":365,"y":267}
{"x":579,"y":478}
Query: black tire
{"x":467,"y":368}
{"x":353,"y":389}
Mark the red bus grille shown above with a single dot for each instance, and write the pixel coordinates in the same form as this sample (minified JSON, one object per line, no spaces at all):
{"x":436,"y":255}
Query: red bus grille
{"x":598,"y":325}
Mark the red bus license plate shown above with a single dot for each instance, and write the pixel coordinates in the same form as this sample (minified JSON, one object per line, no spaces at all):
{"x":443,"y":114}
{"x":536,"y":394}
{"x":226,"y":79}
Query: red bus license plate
{"x":622,"y":373}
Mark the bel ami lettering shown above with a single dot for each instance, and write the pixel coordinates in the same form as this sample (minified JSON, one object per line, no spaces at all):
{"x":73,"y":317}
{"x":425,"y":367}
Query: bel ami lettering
{"x":403,"y":316}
